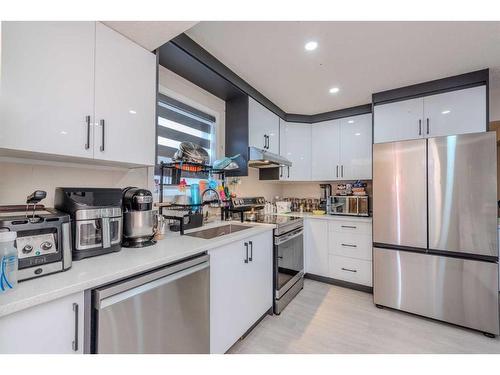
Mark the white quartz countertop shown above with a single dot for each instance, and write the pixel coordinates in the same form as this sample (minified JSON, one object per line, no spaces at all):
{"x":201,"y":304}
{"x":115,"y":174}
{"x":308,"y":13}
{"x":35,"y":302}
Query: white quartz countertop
{"x":309,"y":215}
{"x":92,"y":272}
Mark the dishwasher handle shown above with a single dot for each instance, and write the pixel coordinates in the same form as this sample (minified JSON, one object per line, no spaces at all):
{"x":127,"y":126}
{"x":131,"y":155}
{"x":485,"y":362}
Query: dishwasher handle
{"x":117,"y":293}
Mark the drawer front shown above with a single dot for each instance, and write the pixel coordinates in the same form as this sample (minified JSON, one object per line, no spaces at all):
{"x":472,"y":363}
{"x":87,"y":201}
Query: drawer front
{"x":354,"y":227}
{"x":357,"y":246}
{"x":352,"y":270}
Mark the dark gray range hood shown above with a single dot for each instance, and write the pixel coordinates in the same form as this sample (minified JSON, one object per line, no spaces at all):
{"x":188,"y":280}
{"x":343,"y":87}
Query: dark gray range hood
{"x":259,"y":158}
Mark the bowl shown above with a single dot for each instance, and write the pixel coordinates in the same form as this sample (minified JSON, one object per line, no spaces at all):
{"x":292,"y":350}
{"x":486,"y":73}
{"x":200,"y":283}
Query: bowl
{"x":318,"y":212}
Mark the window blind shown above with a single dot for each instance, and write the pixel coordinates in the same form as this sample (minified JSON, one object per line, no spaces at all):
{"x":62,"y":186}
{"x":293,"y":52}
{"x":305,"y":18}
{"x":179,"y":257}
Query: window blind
{"x":178,"y":122}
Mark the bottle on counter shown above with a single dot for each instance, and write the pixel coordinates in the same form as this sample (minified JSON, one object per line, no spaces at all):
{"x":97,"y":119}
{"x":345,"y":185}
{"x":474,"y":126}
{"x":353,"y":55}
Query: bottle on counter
{"x":8,"y":261}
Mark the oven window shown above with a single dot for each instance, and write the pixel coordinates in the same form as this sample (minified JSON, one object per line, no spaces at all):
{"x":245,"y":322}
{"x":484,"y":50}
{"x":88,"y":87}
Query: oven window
{"x":290,"y":260}
{"x":90,"y":233}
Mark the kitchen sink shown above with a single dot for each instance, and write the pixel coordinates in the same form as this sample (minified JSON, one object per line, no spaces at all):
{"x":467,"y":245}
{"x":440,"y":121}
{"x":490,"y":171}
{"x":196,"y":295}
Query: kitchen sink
{"x":217,"y":231}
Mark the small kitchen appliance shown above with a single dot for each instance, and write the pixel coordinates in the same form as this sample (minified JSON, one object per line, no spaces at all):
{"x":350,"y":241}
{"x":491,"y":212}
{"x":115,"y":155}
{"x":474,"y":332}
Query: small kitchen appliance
{"x":352,"y":205}
{"x":43,"y":238}
{"x":138,"y":218}
{"x":326,"y":191}
{"x":96,"y":219}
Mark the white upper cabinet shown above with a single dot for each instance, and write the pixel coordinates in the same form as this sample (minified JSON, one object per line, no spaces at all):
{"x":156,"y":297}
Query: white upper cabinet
{"x":263,"y":127}
{"x":455,"y":112}
{"x":295,"y":145}
{"x":325,"y":151}
{"x":47,"y":87}
{"x":125,"y":99}
{"x":60,"y":79}
{"x":342,"y":149}
{"x":398,"y":121}
{"x":356,"y":147}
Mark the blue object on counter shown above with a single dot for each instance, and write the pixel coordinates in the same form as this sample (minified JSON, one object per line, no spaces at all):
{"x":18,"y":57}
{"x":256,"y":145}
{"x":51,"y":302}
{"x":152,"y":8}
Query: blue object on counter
{"x":195,"y":194}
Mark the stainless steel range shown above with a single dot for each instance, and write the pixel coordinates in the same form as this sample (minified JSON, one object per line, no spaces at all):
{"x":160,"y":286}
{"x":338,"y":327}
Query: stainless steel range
{"x":288,"y":252}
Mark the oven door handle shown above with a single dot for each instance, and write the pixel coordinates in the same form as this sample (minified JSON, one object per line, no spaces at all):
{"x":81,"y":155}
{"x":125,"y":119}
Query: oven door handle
{"x":280,"y":240}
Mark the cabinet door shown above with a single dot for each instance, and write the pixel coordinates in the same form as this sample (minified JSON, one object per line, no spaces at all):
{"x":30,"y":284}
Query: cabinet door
{"x":263,"y":127}
{"x":47,"y":328}
{"x":295,"y":141}
{"x":124,"y":99}
{"x":325,"y":151}
{"x":356,"y":147}
{"x":316,"y":235}
{"x":455,"y":112}
{"x":47,"y":87}
{"x":398,"y":121}
{"x":258,"y":290}
{"x":228,"y":275}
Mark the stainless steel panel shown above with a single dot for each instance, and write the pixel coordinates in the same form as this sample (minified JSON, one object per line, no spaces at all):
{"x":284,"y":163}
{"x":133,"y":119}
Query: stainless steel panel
{"x":167,"y":315}
{"x":66,"y":245}
{"x":463,"y":193}
{"x":458,"y":291}
{"x":399,"y":193}
{"x":138,"y":224}
{"x":280,"y":304}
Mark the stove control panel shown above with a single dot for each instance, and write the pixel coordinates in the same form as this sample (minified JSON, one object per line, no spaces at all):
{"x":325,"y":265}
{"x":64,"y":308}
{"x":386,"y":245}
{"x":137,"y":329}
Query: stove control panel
{"x":240,"y":203}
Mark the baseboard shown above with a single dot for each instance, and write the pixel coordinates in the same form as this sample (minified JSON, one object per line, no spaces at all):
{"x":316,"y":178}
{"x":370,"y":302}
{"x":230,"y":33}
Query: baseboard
{"x":342,"y":283}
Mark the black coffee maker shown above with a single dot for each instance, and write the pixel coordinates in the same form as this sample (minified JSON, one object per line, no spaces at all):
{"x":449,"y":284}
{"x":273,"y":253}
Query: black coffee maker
{"x":326,"y":191}
{"x":138,"y":218}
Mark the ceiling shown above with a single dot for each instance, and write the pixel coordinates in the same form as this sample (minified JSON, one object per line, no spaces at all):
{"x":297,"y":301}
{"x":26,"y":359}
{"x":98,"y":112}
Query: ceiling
{"x":150,"y":34}
{"x":358,"y":57}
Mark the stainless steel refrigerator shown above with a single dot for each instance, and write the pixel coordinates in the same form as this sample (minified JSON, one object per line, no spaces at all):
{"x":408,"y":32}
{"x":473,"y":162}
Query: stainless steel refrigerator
{"x":435,"y":249}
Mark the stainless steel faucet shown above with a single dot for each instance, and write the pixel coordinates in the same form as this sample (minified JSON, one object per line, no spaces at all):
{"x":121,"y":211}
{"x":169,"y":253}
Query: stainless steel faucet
{"x":205,"y":218}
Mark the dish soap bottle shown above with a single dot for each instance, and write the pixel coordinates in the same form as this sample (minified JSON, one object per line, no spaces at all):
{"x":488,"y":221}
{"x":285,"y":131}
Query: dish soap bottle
{"x":8,"y":261}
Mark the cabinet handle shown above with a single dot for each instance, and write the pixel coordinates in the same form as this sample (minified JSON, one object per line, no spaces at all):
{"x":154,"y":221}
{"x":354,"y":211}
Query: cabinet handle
{"x":102,"y":125}
{"x":288,"y":172}
{"x":337,"y":170}
{"x":348,"y":245}
{"x":246,"y":251}
{"x":268,"y":141}
{"x":427,"y":125}
{"x":420,"y":127}
{"x":251,"y":251}
{"x":342,"y":171}
{"x":281,"y":172}
{"x":75,"y":341}
{"x":87,"y":121}
{"x":348,"y":269}
{"x":348,"y":226}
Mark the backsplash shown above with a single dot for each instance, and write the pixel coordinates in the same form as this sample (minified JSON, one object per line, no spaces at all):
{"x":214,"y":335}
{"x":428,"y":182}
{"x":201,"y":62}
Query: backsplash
{"x":19,"y":178}
{"x":312,"y":189}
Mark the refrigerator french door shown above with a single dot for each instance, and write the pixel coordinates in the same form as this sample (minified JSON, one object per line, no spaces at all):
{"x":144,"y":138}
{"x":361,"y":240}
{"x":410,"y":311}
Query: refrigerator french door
{"x":434,"y":229}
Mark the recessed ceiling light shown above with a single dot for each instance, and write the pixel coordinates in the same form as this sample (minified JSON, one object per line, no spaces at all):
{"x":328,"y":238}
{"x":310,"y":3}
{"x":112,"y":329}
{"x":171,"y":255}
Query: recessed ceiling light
{"x":311,"y":46}
{"x":334,"y":90}
{"x":350,"y":122}
{"x":132,"y":112}
{"x":446,"y":112}
{"x":357,"y":133}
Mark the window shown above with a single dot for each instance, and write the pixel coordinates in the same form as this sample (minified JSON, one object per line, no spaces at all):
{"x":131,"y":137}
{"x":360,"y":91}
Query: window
{"x":178,"y":122}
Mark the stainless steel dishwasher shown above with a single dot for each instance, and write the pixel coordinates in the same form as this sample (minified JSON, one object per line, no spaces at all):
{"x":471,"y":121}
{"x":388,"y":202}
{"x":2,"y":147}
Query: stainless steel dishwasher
{"x":164,"y":311}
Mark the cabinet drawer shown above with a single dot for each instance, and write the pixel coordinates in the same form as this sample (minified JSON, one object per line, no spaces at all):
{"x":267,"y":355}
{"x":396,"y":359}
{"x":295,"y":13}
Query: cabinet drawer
{"x":352,"y":270}
{"x":357,"y":246}
{"x":354,"y":227}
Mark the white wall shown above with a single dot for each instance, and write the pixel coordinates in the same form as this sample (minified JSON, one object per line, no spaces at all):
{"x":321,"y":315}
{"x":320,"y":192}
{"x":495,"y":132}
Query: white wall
{"x":495,"y":102}
{"x":19,"y":178}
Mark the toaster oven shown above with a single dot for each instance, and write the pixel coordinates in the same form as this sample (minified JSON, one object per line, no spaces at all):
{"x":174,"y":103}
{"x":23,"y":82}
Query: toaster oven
{"x":353,"y":205}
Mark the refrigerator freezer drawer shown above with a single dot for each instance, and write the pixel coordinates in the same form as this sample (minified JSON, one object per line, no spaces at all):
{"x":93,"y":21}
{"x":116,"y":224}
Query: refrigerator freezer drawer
{"x":458,"y":291}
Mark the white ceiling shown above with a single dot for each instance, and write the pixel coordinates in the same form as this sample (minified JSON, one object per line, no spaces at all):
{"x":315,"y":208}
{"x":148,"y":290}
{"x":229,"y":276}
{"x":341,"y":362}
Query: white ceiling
{"x":150,"y":34}
{"x":359,"y":57}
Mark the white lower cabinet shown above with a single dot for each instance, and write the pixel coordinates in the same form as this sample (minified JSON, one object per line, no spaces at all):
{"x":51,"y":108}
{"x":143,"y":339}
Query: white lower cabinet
{"x":316,"y":247}
{"x":339,"y":249}
{"x":54,"y":327}
{"x":241,"y":288}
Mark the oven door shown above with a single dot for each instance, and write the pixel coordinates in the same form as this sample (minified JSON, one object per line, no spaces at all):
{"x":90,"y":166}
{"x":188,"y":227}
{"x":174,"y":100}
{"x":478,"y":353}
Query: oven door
{"x":288,"y":260}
